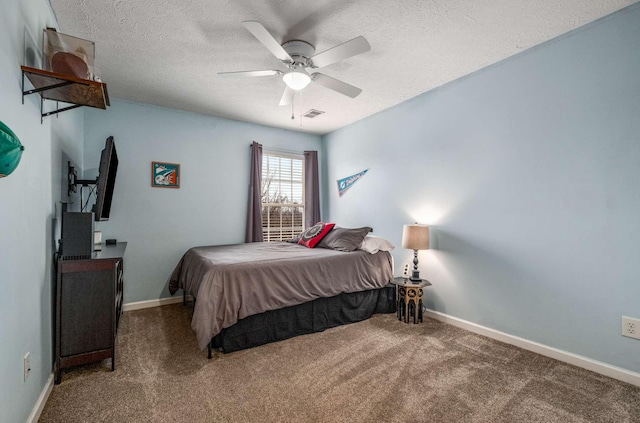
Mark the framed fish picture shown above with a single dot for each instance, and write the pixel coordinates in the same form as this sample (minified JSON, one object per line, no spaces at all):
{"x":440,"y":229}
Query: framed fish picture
{"x":165,"y":175}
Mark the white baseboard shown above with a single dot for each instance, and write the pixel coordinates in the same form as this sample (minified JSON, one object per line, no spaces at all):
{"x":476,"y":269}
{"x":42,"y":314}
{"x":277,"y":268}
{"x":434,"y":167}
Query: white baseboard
{"x":42,"y":400}
{"x":577,"y":360}
{"x":153,"y":303}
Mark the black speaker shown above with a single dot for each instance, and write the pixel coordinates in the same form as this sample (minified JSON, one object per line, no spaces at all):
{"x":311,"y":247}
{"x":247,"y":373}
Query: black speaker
{"x":86,"y":311}
{"x":77,"y":236}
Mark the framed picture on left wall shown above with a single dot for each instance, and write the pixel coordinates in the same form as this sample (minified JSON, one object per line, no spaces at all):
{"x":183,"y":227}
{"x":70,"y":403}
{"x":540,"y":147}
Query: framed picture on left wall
{"x":165,"y":175}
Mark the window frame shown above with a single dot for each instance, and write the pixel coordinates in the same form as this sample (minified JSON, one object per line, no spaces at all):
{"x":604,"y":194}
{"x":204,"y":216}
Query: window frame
{"x":267,"y":231}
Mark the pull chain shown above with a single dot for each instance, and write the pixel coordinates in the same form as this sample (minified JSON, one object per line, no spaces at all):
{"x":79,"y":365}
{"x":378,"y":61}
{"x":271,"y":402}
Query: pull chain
{"x":293,"y":99}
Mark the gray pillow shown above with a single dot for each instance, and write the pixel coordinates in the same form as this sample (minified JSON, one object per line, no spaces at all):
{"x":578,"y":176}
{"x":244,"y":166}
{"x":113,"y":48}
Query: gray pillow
{"x":344,"y":239}
{"x":294,"y":240}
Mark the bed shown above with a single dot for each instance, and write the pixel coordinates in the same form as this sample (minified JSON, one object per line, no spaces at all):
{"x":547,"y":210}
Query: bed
{"x":250,"y":294}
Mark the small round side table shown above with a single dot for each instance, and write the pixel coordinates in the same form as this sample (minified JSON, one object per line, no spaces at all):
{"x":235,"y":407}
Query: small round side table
{"x":410,"y":298}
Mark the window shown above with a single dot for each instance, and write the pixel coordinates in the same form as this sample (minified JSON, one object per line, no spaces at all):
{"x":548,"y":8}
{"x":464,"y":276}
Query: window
{"x":282,"y":196}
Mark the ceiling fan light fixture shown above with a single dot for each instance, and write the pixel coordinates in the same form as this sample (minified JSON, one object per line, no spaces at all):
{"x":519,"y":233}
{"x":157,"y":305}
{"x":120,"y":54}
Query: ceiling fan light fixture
{"x":296,"y":79}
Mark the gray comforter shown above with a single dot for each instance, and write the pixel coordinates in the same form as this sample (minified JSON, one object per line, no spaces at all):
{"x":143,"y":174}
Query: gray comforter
{"x":232,"y":282}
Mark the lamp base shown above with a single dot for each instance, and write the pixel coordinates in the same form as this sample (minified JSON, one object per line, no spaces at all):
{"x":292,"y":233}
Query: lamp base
{"x":415,"y":276}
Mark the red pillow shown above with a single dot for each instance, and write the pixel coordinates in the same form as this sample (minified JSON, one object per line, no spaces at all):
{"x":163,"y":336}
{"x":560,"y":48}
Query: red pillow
{"x":312,"y":236}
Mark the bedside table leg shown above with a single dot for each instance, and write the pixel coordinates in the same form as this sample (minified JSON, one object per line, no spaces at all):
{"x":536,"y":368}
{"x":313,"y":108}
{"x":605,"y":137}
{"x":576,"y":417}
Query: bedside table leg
{"x":407,"y":310}
{"x":420,"y":306}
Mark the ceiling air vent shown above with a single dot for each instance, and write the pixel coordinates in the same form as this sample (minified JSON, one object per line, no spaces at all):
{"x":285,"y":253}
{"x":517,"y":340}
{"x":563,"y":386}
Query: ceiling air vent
{"x":312,"y":113}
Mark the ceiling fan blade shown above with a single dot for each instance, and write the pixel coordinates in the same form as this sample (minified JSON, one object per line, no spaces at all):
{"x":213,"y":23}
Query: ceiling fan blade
{"x":251,"y":73}
{"x":336,"y":85}
{"x":287,"y":96}
{"x":345,"y":50}
{"x":261,"y":33}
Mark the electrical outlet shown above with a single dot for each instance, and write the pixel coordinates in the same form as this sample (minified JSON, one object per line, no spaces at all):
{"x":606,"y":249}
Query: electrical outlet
{"x":27,"y":366}
{"x":406,"y":271}
{"x":631,"y":327}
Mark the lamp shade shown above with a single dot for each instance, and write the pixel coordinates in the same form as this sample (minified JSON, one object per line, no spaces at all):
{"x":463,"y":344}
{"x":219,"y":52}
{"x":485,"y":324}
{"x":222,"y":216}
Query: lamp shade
{"x":415,"y":237}
{"x":10,"y":150}
{"x":296,"y":79}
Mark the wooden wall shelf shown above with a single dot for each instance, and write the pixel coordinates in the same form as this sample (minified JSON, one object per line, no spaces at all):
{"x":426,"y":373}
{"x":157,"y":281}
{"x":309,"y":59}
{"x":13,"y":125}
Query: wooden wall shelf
{"x":67,"y":89}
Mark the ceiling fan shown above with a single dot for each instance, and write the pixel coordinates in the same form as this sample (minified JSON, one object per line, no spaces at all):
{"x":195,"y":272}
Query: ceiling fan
{"x":298,"y":57}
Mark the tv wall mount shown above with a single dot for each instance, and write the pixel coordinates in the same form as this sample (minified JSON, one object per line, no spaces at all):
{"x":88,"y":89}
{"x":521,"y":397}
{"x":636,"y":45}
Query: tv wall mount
{"x":73,"y":181}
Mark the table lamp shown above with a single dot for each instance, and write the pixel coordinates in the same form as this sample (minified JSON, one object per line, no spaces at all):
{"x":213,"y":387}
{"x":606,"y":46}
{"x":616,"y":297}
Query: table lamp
{"x":415,"y":237}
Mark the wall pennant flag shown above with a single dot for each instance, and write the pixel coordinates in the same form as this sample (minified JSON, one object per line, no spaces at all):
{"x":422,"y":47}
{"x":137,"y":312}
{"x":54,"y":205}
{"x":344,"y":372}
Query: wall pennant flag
{"x":10,"y":150}
{"x":345,"y":183}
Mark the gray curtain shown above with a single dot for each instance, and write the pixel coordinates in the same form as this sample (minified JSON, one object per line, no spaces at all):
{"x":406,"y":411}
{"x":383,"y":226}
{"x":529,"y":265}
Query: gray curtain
{"x":311,"y":189}
{"x":254,"y":210}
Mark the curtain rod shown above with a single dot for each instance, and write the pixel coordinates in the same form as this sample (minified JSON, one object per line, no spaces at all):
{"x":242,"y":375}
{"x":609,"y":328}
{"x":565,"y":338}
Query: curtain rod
{"x":281,"y":150}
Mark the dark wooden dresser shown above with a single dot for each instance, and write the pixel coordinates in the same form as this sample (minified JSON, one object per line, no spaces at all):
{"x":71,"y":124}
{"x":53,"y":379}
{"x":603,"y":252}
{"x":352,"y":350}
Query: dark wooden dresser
{"x":89,"y":295}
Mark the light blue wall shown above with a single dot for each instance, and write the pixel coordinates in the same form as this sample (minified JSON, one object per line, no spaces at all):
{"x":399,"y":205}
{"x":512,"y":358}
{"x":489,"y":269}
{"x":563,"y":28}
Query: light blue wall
{"x":28,"y":198}
{"x":160,"y":224}
{"x":529,"y":172}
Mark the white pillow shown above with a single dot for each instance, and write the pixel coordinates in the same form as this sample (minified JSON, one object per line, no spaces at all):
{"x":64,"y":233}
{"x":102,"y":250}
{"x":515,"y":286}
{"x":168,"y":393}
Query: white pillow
{"x":373,"y":244}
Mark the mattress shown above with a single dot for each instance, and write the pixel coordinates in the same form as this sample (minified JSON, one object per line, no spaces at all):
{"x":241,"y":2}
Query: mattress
{"x":232,"y":282}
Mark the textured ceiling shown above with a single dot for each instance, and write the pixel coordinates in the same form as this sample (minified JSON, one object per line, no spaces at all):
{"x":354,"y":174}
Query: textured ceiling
{"x":167,"y":52}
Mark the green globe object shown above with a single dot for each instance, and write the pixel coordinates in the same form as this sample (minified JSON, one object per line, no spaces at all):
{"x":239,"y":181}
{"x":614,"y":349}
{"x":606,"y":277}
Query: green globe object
{"x":10,"y":151}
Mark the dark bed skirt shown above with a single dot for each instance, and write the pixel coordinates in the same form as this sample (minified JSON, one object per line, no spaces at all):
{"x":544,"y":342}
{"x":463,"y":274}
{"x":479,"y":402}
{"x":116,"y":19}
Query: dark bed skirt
{"x":313,"y":316}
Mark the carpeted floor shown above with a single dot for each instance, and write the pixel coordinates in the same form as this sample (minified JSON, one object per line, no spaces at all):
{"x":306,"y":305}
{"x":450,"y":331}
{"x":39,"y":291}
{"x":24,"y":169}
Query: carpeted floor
{"x":380,"y":370}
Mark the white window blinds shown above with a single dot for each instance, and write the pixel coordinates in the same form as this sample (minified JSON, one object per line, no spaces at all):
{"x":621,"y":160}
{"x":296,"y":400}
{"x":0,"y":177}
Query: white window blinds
{"x":282,"y":196}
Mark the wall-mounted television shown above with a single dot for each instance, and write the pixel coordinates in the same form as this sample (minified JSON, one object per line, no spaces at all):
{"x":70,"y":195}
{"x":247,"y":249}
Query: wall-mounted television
{"x":106,"y":181}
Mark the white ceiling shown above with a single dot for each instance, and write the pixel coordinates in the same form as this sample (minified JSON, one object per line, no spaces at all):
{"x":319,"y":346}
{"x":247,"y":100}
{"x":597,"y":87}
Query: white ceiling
{"x":167,"y":52}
